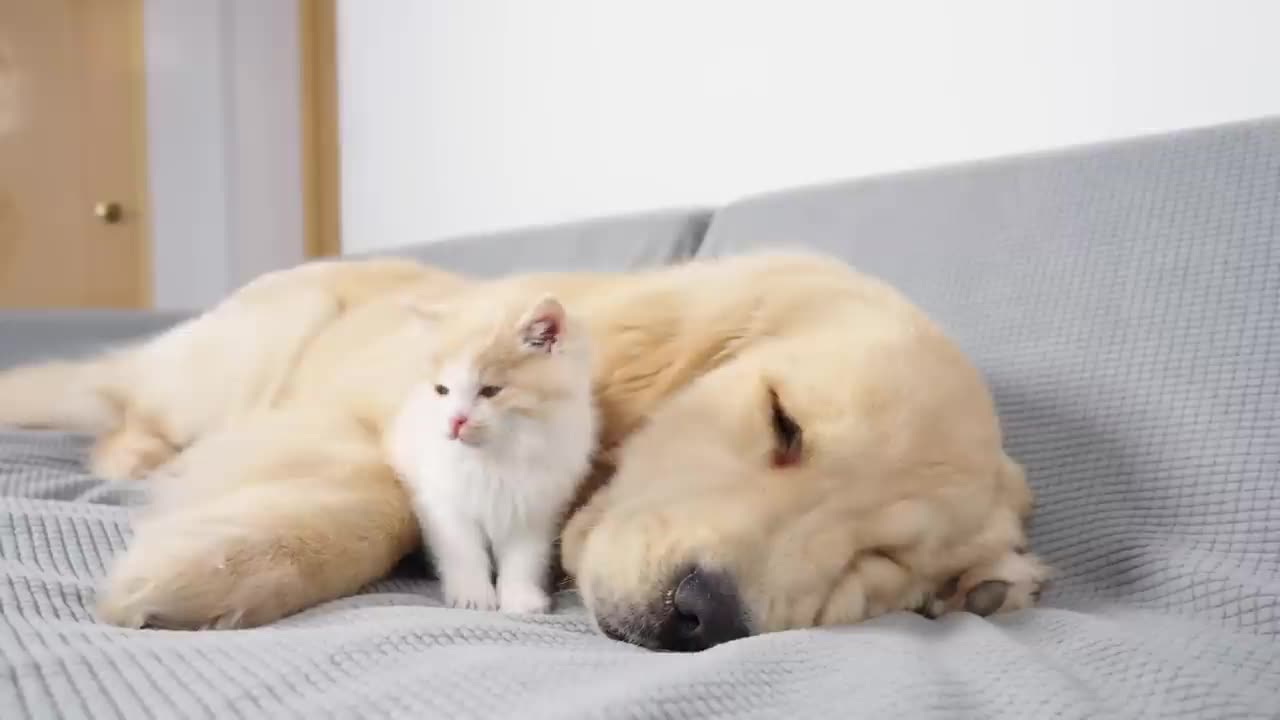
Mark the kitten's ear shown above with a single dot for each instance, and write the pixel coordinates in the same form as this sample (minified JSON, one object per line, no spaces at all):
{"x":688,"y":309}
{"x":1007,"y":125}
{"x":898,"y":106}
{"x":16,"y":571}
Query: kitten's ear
{"x":541,"y":327}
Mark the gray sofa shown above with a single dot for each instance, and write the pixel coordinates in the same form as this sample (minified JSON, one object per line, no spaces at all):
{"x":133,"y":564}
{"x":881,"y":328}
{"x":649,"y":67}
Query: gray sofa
{"x":1124,"y":302}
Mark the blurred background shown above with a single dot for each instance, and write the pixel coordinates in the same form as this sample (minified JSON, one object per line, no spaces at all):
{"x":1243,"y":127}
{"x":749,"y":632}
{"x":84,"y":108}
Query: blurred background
{"x":156,"y":153}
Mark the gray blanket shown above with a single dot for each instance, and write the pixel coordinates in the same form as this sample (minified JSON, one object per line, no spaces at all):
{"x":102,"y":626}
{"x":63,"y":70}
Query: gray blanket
{"x":394,"y":652}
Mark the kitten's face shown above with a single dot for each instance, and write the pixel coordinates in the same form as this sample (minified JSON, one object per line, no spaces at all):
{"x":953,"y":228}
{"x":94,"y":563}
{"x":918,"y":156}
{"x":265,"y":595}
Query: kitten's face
{"x":494,"y":369}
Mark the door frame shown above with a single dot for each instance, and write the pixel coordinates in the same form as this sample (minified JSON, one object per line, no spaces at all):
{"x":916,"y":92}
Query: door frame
{"x":145,"y":282}
{"x":321,"y":172}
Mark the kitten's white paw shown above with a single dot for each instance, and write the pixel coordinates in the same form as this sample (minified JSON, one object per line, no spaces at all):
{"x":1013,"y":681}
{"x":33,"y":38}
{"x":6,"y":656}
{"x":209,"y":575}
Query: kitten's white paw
{"x":471,"y":594}
{"x":524,"y":599}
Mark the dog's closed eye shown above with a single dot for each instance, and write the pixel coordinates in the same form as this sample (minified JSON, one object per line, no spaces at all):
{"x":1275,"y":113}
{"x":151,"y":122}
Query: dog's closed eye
{"x":788,"y":436}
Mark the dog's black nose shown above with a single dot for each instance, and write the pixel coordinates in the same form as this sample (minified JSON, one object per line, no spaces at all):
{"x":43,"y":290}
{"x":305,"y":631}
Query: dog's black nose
{"x":706,"y":611}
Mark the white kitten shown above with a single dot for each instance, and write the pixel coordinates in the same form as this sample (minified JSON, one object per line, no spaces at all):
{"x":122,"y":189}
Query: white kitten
{"x":493,"y":444}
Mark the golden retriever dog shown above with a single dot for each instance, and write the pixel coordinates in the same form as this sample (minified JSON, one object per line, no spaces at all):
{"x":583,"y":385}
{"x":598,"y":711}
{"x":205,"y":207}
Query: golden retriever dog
{"x":785,"y":443}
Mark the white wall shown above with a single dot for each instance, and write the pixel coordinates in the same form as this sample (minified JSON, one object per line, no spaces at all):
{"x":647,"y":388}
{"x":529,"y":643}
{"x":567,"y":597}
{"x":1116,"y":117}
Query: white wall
{"x":223,"y":144}
{"x":466,"y":115}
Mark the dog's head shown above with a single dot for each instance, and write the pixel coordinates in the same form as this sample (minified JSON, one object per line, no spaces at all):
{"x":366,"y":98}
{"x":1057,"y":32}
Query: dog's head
{"x":813,"y":480}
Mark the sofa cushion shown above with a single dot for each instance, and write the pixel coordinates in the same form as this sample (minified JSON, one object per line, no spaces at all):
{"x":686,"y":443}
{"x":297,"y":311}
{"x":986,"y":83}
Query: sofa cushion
{"x":1124,"y":301}
{"x":613,"y":243}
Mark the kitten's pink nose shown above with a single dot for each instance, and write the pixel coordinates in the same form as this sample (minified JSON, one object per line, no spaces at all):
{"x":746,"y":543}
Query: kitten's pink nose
{"x":455,"y":425}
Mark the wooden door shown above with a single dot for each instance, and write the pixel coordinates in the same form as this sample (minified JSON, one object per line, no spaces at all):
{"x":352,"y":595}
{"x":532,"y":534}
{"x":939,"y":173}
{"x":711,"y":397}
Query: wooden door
{"x":72,"y":133}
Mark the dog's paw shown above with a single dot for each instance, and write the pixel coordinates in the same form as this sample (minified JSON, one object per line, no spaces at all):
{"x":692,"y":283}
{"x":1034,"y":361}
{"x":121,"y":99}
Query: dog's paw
{"x":128,"y":454}
{"x":193,"y":579}
{"x":1010,"y":582}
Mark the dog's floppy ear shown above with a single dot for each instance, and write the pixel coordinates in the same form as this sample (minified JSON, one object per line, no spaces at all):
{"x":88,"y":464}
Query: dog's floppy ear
{"x":542,"y":326}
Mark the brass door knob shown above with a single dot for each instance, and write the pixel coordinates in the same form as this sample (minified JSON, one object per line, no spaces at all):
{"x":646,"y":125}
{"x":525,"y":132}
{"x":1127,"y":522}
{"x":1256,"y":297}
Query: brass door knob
{"x":108,"y":212}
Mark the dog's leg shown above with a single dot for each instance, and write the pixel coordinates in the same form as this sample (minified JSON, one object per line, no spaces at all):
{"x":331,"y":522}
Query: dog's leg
{"x":130,"y":451}
{"x":286,"y":512}
{"x":259,"y":554}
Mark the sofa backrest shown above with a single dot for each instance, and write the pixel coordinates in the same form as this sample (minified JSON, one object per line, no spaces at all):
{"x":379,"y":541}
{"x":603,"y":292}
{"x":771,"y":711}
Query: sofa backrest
{"x":623,"y":242}
{"x":1124,"y":301}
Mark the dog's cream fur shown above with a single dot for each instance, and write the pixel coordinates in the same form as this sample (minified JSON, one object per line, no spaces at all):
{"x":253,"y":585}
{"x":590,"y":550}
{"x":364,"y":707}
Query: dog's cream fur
{"x":262,"y":420}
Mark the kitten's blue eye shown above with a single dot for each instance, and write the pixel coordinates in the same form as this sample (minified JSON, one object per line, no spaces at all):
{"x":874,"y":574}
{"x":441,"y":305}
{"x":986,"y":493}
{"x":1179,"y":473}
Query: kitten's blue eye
{"x":442,"y":390}
{"x":489,"y":391}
